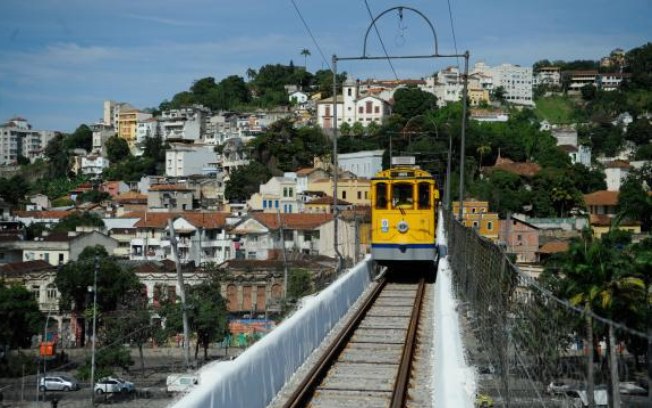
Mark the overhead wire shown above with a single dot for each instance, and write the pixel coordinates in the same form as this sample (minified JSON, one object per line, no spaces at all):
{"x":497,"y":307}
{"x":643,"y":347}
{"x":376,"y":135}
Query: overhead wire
{"x":324,"y":60}
{"x":380,"y":39}
{"x":450,"y":16}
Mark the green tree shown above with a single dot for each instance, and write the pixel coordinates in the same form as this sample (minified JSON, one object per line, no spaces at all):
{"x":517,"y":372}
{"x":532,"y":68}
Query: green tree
{"x":74,"y":278}
{"x":117,"y":149}
{"x":305,"y":53}
{"x":81,"y":138}
{"x":299,"y":283}
{"x":20,"y":317}
{"x":345,"y":129}
{"x":410,"y":102}
{"x":57,"y":155}
{"x":206,"y":311}
{"x":78,"y":219}
{"x":639,"y":132}
{"x":245,"y":181}
{"x":357,"y":129}
{"x":13,"y":190}
{"x":634,"y":202}
{"x":499,"y":94}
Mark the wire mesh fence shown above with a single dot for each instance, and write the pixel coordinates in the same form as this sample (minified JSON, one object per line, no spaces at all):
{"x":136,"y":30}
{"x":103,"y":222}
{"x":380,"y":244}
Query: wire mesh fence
{"x":532,"y":348}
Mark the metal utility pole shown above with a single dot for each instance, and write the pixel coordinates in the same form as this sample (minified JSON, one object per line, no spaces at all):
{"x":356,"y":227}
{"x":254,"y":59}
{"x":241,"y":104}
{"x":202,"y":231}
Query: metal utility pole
{"x":285,"y":257}
{"x":182,"y":294}
{"x":462,"y":141}
{"x":95,"y":269}
{"x":339,"y":266}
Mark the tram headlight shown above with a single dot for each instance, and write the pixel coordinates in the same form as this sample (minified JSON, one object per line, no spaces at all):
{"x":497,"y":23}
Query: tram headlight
{"x":402,"y":227}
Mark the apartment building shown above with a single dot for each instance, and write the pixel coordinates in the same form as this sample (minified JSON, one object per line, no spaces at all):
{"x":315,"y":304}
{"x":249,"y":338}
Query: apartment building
{"x":128,"y":124}
{"x":547,"y":76}
{"x":17,"y":138}
{"x":111,"y":112}
{"x":188,"y":123}
{"x":516,"y":81}
{"x":183,"y":160}
{"x":363,"y":164}
{"x":101,"y":133}
{"x":279,"y":194}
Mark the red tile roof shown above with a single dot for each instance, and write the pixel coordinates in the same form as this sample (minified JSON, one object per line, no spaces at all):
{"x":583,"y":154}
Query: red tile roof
{"x":326,"y":200}
{"x":602,"y":197}
{"x":618,"y":164}
{"x":527,"y":169}
{"x":292,"y":221}
{"x":43,"y":214}
{"x":20,"y":268}
{"x":131,"y":197}
{"x":554,"y":247}
{"x":160,"y":219}
{"x":169,"y":187}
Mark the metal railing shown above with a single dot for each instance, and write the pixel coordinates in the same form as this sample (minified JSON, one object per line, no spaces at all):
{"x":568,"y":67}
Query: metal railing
{"x":532,"y":348}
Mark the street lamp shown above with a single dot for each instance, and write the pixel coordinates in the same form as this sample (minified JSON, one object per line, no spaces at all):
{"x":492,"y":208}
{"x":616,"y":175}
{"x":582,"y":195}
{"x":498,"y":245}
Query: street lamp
{"x":96,"y":267}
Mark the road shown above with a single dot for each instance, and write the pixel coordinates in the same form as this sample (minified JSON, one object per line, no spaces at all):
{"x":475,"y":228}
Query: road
{"x":150,"y":384}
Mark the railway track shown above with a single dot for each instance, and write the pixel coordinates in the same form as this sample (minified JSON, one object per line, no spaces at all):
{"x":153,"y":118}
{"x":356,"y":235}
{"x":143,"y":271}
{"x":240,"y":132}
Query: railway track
{"x":369,"y":364}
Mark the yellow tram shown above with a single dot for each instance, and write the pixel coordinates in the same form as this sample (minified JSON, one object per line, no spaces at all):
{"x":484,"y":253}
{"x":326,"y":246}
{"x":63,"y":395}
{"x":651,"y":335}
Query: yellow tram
{"x":404,"y":202}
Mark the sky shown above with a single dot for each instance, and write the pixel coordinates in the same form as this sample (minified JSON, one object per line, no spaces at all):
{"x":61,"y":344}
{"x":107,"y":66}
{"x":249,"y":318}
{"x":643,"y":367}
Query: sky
{"x":60,"y":59}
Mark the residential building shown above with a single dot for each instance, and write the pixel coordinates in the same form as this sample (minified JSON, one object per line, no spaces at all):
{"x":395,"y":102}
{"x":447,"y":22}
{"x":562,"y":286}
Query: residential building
{"x":520,"y":238}
{"x":298,"y":97}
{"x":188,"y":123}
{"x":324,"y":205}
{"x":516,"y":81}
{"x":307,"y":175}
{"x":60,"y":248}
{"x":488,"y":115}
{"x":616,"y":172}
{"x":580,"y":154}
{"x":114,"y":188}
{"x":130,"y":201}
{"x":364,"y":164}
{"x":101,"y":133}
{"x":147,"y":129}
{"x":201,"y":237}
{"x":94,"y":165}
{"x":550,"y":76}
{"x":170,"y":197}
{"x":234,"y":155}
{"x":476,"y":215}
{"x":574,"y":81}
{"x":111,"y":113}
{"x":611,"y":81}
{"x":564,"y":135}
{"x":128,"y":120}
{"x":349,"y":189}
{"x":47,"y":218}
{"x":277,"y":195}
{"x":18,"y":139}
{"x":182,"y":160}
{"x":602,"y":207}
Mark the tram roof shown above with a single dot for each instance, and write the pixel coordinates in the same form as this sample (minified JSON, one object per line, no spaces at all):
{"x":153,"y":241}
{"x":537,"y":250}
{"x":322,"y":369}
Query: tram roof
{"x":402,"y":172}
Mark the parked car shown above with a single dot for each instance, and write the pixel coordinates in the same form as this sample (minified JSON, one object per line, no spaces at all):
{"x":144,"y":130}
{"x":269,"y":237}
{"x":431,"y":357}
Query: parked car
{"x":113,"y":385}
{"x":630,"y":387}
{"x":557,"y":388}
{"x":181,"y":382}
{"x":58,"y":383}
{"x":580,"y":398}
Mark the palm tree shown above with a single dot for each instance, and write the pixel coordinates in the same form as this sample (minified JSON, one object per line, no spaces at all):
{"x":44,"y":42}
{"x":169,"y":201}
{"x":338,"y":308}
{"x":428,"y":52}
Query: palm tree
{"x":306,"y":53}
{"x":482,"y":150}
{"x":601,"y":278}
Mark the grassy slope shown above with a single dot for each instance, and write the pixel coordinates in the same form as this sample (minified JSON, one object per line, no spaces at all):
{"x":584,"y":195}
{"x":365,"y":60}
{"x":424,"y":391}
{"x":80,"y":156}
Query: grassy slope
{"x":556,"y":109}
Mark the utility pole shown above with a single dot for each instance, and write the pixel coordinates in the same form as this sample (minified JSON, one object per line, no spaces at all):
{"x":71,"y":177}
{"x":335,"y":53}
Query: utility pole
{"x":462,"y":141}
{"x":285,"y":257}
{"x":182,"y":294}
{"x":95,"y":269}
{"x":338,"y":268}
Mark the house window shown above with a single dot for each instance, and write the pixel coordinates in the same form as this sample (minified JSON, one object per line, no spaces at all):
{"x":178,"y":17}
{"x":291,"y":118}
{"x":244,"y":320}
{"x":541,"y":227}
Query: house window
{"x":376,"y":109}
{"x":51,"y":291}
{"x":264,"y":203}
{"x":251,"y":255}
{"x":290,"y":192}
{"x":359,"y":195}
{"x":348,"y":91}
{"x":490,"y":226}
{"x":60,"y":258}
{"x":366,"y":195}
{"x":381,"y":196}
{"x":343,"y":195}
{"x":172,"y":293}
{"x":36,"y":291}
{"x":360,"y":109}
{"x":276,"y":204}
{"x":519,"y":237}
{"x":368,"y":107}
{"x":476,"y":225}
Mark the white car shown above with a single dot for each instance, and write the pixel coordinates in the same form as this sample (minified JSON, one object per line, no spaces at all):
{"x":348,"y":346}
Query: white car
{"x":557,"y":388}
{"x":58,"y":383}
{"x":630,"y":387}
{"x":112,"y":385}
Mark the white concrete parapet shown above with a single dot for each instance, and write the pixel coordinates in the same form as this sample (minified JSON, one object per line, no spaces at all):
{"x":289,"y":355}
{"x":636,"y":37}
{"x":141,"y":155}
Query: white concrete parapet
{"x":257,"y":375}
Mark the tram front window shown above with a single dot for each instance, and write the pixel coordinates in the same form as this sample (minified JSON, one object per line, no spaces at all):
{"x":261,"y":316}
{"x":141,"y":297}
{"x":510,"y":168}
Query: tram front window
{"x":381,"y":196}
{"x":424,"y":196}
{"x":402,"y":196}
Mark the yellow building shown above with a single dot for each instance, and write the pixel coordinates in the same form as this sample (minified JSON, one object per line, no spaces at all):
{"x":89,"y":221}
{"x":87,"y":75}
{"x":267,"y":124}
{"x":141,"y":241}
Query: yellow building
{"x":352,"y":190}
{"x":477,"y":216}
{"x":128,"y":123}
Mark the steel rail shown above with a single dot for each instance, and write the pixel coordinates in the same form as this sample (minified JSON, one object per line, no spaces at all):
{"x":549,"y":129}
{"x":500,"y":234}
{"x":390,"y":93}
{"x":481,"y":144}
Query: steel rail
{"x":304,"y":392}
{"x":403,"y":378}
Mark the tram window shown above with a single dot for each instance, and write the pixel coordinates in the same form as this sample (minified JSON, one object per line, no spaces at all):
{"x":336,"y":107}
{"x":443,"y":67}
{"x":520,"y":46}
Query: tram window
{"x":402,"y":195}
{"x":381,"y":195}
{"x":424,"y":196}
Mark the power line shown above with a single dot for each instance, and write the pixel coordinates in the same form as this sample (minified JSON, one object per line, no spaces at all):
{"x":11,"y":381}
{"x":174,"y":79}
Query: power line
{"x":450,"y":16}
{"x":389,"y":61}
{"x":311,"y":36}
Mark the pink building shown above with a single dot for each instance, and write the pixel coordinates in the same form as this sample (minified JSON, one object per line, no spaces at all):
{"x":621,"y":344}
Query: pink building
{"x":521,"y":238}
